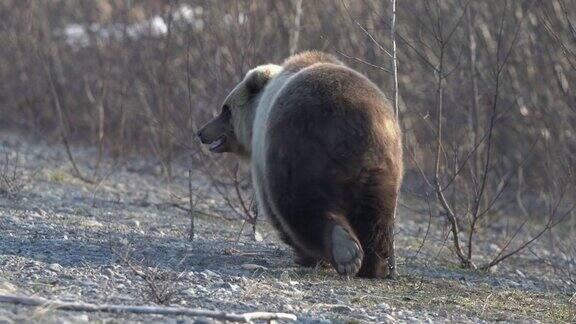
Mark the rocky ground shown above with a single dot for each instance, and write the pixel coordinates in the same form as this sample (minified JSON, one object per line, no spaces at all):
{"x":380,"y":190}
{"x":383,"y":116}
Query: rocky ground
{"x":125,"y":241}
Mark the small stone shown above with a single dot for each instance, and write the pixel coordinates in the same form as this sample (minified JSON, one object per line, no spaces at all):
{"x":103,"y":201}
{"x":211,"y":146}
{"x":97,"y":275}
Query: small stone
{"x":209,"y":274}
{"x":203,"y":320}
{"x":109,"y":272}
{"x":133,"y":223}
{"x":227,"y":285}
{"x":389,"y":318}
{"x":190,"y":292}
{"x":494,"y":247}
{"x":513,"y":283}
{"x":89,"y":283}
{"x":93,"y":223}
{"x":202,"y":289}
{"x":79,"y":319}
{"x":40,"y":211}
{"x":384,"y":306}
{"x":55,"y":267}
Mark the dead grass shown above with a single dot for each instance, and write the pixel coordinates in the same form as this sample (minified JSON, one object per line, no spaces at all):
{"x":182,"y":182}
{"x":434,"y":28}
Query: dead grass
{"x":478,"y":300}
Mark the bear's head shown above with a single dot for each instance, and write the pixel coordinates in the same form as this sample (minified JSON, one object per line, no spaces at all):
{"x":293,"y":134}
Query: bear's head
{"x":231,"y":130}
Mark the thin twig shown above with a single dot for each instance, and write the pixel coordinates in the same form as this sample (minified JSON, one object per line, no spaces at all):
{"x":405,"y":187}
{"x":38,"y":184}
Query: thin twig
{"x":191,"y":202}
{"x":63,"y":128}
{"x":394,"y":60}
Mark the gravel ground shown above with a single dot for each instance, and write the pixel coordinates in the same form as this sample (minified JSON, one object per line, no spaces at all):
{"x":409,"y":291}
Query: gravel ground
{"x":124,"y":242}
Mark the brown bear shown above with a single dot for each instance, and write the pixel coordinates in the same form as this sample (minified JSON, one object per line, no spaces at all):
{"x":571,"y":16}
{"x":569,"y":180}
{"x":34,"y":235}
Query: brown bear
{"x":325,"y":152}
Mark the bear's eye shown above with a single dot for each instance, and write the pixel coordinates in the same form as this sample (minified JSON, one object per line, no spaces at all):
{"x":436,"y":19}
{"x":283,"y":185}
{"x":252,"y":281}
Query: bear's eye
{"x":226,"y":110}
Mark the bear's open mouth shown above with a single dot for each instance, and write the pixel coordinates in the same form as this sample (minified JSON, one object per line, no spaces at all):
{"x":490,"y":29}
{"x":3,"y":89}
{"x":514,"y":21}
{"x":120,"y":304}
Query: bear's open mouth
{"x":214,"y":146}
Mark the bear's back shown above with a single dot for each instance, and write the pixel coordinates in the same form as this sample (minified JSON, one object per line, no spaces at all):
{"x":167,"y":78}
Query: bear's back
{"x":332,"y":109}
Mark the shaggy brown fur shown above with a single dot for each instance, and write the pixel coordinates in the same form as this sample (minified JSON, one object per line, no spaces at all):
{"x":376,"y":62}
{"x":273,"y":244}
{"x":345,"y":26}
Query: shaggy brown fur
{"x":303,"y":60}
{"x":326,"y":159}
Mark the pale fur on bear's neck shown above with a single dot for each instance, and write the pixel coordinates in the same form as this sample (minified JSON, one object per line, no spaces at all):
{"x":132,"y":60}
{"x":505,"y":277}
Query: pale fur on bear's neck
{"x":245,"y":123}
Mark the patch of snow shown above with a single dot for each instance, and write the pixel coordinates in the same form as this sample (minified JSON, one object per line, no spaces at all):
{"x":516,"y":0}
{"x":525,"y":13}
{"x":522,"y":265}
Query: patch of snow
{"x":78,"y":35}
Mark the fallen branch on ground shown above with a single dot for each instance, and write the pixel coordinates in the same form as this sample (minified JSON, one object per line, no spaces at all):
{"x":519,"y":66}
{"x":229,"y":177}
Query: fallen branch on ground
{"x":245,"y":317}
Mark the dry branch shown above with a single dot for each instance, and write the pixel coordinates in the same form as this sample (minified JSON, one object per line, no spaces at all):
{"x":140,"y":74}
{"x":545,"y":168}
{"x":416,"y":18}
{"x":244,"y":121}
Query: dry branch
{"x":63,"y":126}
{"x":295,"y":36}
{"x":174,"y":311}
{"x":394,"y":59}
{"x":191,"y":202}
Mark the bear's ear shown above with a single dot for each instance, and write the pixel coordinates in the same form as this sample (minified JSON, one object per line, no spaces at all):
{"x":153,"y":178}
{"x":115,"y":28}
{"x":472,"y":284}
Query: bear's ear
{"x":257,"y":78}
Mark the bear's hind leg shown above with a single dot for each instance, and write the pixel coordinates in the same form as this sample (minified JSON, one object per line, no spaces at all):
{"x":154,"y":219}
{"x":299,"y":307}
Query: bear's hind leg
{"x":375,"y":226}
{"x":329,"y":238}
{"x":301,"y":258}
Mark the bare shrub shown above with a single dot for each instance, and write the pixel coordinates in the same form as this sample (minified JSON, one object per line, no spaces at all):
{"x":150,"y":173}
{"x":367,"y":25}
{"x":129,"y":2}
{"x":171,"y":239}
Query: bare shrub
{"x":160,"y":285}
{"x":13,"y":178}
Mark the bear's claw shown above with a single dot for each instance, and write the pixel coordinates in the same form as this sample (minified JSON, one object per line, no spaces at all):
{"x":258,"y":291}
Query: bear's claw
{"x":347,"y":253}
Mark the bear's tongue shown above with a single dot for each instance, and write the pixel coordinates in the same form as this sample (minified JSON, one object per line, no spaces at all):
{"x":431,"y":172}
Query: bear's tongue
{"x":217,"y":143}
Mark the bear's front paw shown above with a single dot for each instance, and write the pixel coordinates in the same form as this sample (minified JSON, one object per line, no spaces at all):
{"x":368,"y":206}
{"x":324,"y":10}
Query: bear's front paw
{"x":347,"y":253}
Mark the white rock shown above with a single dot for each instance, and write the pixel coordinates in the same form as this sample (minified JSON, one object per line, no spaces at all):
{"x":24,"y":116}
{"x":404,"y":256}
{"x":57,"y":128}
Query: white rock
{"x":133,"y":223}
{"x":80,"y":319}
{"x":493,"y":247}
{"x":93,"y":223}
{"x":55,"y":267}
{"x":40,"y":212}
{"x":389,"y":318}
{"x":203,"y":320}
{"x":384,"y":306}
{"x":229,"y":286}
{"x":258,"y":237}
{"x":209,"y":274}
{"x":202,"y":289}
{"x":190,"y":292}
{"x":109,"y":272}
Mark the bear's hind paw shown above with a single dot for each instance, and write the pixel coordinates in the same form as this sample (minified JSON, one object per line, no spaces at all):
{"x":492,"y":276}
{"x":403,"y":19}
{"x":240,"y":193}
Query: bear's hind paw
{"x":347,"y":253}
